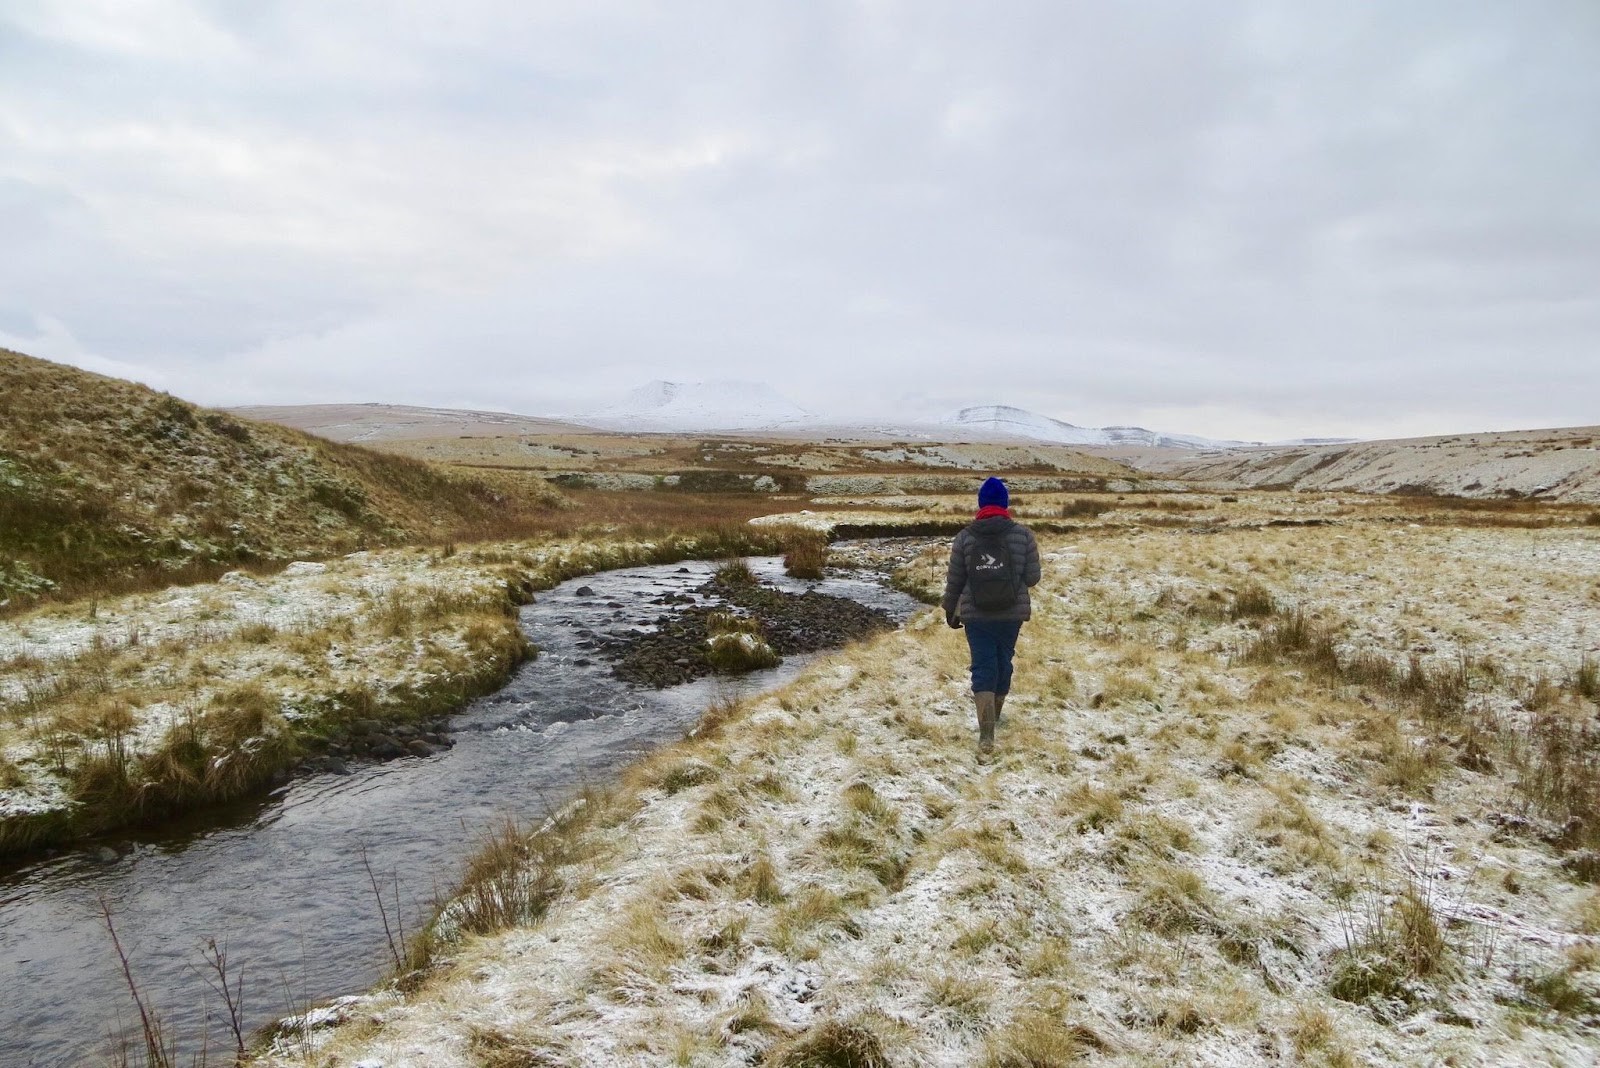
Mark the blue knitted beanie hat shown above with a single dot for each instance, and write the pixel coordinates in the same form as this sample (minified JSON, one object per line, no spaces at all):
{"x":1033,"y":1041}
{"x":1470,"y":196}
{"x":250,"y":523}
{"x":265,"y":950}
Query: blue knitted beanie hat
{"x":993,"y":492}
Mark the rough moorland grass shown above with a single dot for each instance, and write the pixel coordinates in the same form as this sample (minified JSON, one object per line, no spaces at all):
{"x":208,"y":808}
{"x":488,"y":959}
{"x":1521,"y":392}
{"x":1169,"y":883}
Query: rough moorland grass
{"x":1252,"y":601}
{"x":1296,"y":636}
{"x":835,"y":1043}
{"x":1086,"y":507}
{"x":737,"y":644}
{"x":1394,"y":945}
{"x":510,"y":880}
{"x":235,"y":745}
{"x":1586,"y":679}
{"x":1558,"y":765}
{"x":1553,"y":750}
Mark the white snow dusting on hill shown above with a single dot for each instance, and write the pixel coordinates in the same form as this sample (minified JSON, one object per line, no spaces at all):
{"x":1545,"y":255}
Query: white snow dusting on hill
{"x":1019,"y":422}
{"x":694,"y":406}
{"x":663,"y":406}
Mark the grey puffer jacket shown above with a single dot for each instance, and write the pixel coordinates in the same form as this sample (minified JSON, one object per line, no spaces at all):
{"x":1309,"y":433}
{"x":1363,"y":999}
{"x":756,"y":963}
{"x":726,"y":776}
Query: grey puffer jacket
{"x":1024,"y":553}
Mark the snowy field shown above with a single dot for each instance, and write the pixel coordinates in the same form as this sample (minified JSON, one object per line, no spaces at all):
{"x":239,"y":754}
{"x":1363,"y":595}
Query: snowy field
{"x":1184,"y":853}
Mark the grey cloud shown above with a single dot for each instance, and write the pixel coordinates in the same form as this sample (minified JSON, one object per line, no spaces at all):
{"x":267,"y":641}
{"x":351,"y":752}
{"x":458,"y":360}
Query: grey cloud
{"x":1250,"y":213}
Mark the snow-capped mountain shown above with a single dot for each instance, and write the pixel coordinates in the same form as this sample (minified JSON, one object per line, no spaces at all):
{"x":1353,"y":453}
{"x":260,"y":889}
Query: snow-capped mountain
{"x":698,"y":406}
{"x":1002,"y":419}
{"x":1019,"y":422}
{"x":738,"y":406}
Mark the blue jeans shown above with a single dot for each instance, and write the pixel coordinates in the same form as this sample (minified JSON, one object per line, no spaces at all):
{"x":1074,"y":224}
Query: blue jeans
{"x":993,"y":644}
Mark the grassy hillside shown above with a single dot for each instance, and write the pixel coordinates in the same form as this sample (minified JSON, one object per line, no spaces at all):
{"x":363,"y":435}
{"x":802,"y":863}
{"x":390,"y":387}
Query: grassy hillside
{"x":107,"y":485}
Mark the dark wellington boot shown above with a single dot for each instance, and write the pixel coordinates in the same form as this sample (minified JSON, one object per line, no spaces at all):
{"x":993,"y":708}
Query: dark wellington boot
{"x":999,"y":707}
{"x":985,"y":703}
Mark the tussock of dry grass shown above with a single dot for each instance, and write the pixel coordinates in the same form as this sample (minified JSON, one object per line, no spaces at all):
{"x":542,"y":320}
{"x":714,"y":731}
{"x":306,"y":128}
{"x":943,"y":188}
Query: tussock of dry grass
{"x":834,"y":1044}
{"x":805,"y":554}
{"x":514,"y":875}
{"x":1392,"y":946}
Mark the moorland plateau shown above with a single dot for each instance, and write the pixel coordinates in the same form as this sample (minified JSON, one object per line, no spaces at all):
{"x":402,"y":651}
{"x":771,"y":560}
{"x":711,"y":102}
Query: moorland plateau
{"x":1299,"y":767}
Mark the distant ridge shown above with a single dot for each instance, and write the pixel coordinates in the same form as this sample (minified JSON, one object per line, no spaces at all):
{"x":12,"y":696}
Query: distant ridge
{"x":392,"y":422}
{"x":738,"y":406}
{"x":723,"y":406}
{"x":1019,"y":422}
{"x":700,"y":406}
{"x":1559,"y":464}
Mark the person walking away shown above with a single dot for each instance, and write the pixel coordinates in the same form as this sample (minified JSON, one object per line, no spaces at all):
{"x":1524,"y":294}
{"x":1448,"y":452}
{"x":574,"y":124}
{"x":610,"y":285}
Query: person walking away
{"x":993,"y":562}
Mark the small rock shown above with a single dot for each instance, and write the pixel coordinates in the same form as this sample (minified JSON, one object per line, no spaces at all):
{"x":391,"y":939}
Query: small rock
{"x":105,"y":854}
{"x":387,"y":748}
{"x":418,"y":747}
{"x":583,"y":591}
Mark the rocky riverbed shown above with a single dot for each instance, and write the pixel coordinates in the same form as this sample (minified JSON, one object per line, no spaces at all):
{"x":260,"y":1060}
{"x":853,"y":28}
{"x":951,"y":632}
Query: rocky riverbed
{"x":369,"y":740}
{"x":667,"y":651}
{"x":674,"y":651}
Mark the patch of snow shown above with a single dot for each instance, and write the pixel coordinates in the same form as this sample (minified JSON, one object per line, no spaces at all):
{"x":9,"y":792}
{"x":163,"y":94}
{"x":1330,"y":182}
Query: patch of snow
{"x":1019,"y":422}
{"x":700,"y":406}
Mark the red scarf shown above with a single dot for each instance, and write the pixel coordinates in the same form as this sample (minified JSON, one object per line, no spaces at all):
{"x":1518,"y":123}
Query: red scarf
{"x":989,"y":511}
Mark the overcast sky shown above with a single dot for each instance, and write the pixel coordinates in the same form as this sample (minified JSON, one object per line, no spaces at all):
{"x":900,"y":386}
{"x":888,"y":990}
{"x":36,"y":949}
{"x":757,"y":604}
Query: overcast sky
{"x":1240,"y":219}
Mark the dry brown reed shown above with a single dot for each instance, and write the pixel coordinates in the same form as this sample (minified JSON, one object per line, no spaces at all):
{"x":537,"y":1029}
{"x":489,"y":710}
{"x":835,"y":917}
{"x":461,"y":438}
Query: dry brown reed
{"x":805,"y":554}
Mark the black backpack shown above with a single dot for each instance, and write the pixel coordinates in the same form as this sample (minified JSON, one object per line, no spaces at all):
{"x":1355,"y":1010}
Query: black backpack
{"x":991,"y":573}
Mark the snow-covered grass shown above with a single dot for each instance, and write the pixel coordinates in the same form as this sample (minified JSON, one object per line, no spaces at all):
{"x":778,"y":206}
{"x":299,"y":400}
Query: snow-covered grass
{"x":146,"y":704}
{"x":1184,"y":853}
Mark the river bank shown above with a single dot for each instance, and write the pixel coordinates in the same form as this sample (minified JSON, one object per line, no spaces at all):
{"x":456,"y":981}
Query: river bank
{"x":1200,"y":844}
{"x":138,"y":709}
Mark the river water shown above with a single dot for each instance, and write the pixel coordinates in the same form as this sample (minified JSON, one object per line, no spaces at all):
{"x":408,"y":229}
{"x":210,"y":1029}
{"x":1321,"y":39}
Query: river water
{"x":281,"y":881}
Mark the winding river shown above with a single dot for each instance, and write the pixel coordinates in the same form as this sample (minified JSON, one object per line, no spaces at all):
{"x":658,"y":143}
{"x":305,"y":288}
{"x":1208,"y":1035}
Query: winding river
{"x":283,"y":881}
